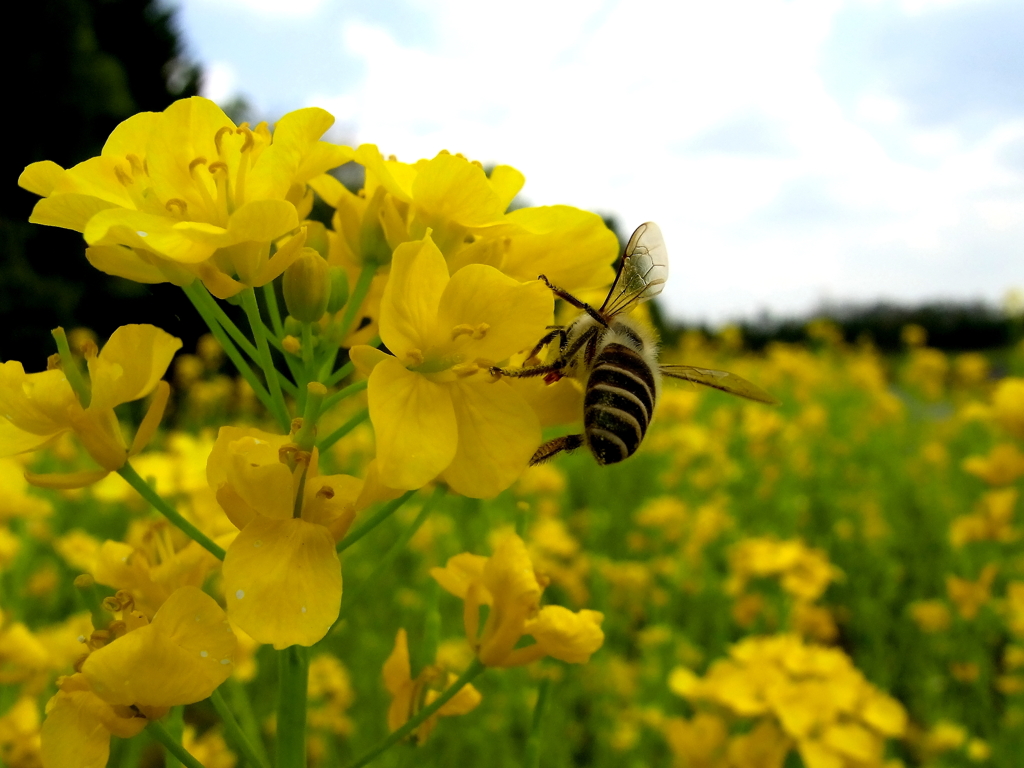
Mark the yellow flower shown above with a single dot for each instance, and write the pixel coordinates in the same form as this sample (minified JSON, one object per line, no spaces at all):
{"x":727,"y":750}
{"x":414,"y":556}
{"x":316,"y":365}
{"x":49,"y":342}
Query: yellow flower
{"x":930,"y":615}
{"x":282,"y":575}
{"x":506,"y":582}
{"x":435,"y":408}
{"x":409,"y":695}
{"x":697,"y":743}
{"x":991,"y":522}
{"x":1003,"y":465}
{"x":143,"y":669}
{"x":970,"y":596}
{"x":38,"y":408}
{"x":1008,"y":405}
{"x":186,"y":193}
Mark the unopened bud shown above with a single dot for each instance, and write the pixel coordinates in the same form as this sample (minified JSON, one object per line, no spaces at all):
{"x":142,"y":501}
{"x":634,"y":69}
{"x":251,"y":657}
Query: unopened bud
{"x":339,"y":290}
{"x":373,"y":245}
{"x":292,"y":327}
{"x":307,"y":286}
{"x":316,"y":238}
{"x":292,"y":345}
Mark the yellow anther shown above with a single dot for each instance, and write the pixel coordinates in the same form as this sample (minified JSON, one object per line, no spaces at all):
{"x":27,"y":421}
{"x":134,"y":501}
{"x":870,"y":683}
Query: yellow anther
{"x":444,"y":152}
{"x":249,"y":140}
{"x":414,"y":357}
{"x":218,"y":166}
{"x":393,"y":158}
{"x":481,"y":330}
{"x":292,"y":345}
{"x":53,"y":363}
{"x":478,"y":164}
{"x":177,"y":206}
{"x":462,"y":370}
{"x":123,"y":176}
{"x":325,"y":493}
{"x":195,"y":164}
{"x":135,"y":163}
{"x":219,"y":137}
{"x":461,"y":330}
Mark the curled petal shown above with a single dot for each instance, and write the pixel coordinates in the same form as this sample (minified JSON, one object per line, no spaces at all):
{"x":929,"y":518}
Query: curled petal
{"x":68,"y":480}
{"x":133,"y":264}
{"x":282,"y":579}
{"x":408,"y":311}
{"x":130,"y":364}
{"x":179,"y":658}
{"x":151,"y":420}
{"x":567,"y":636}
{"x":452,"y":188}
{"x":398,"y":681}
{"x":36,"y":403}
{"x":77,"y":729}
{"x":41,"y":178}
{"x":460,"y":572}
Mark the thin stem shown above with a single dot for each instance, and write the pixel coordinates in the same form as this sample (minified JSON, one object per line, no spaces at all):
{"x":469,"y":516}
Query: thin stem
{"x":252,"y":310}
{"x":343,"y":430}
{"x":174,"y":723}
{"x":234,"y":733}
{"x":78,"y":380}
{"x":397,"y":548}
{"x":348,"y":391}
{"x":291,"y":709}
{"x":472,"y":671}
{"x":533,"y":743}
{"x":242,"y":707}
{"x":306,"y":435}
{"x":270,"y":296}
{"x":229,"y":347}
{"x":158,"y":732}
{"x":356,"y":298}
{"x":146,"y":491}
{"x":379,"y":517}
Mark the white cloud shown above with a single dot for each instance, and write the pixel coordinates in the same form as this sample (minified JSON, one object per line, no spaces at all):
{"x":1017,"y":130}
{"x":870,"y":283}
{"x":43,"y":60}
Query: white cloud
{"x":220,"y":81}
{"x":603,"y":106}
{"x":270,"y":8}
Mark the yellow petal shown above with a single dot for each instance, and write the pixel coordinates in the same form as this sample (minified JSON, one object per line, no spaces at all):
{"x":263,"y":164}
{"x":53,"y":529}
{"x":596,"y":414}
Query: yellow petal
{"x":408,"y":311}
{"x":260,"y":221}
{"x":573,"y":248}
{"x":507,"y":182}
{"x":186,"y":242}
{"x":460,"y":572}
{"x":36,"y":403}
{"x":151,"y":421}
{"x":180,"y":658}
{"x":282,"y":579}
{"x":40,"y":178}
{"x":498,"y":432}
{"x":121,"y":261}
{"x":461,"y":703}
{"x":365,"y":358}
{"x":505,"y":316}
{"x":565,"y":635}
{"x":73,"y":734}
{"x":68,"y":211}
{"x":398,"y":681}
{"x":329,"y":188}
{"x":450,"y":188}
{"x":397,"y":178}
{"x":14,"y":441}
{"x":131,"y":136}
{"x":321,"y":157}
{"x":414,"y":423}
{"x":130,"y":364}
{"x":68,"y":480}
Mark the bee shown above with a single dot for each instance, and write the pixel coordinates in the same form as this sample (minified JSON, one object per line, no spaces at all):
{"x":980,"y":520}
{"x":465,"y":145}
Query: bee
{"x":616,"y":358}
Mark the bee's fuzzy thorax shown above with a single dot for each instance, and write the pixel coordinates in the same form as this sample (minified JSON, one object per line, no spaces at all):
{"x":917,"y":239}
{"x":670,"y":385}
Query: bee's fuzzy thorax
{"x":641,"y":338}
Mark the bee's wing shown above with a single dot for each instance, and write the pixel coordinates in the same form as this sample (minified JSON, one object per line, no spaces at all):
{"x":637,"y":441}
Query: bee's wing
{"x":643,"y":272}
{"x":721,"y":380}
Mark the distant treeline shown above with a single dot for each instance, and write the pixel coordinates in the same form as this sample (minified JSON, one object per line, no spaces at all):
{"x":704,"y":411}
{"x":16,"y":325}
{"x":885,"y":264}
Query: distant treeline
{"x":952,"y":326}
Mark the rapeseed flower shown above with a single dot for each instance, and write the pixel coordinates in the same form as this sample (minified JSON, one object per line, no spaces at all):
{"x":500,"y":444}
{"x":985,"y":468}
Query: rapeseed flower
{"x":991,"y":521}
{"x":282,"y":575}
{"x":1002,"y":466}
{"x":436,"y":411}
{"x":409,"y":694}
{"x":186,"y":193}
{"x":37,"y":408}
{"x":1008,"y":405}
{"x":507,"y":584}
{"x":970,"y":596}
{"x":135,"y":671}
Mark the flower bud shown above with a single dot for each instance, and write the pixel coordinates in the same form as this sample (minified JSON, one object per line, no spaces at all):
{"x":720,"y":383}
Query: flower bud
{"x":339,"y":290}
{"x":373,"y":245}
{"x":292,"y":327}
{"x":316,"y":237}
{"x":307,"y":286}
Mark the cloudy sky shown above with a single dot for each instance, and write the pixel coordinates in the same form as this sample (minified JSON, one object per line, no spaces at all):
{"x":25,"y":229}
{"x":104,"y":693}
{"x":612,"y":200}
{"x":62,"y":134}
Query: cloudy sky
{"x":794,"y":152}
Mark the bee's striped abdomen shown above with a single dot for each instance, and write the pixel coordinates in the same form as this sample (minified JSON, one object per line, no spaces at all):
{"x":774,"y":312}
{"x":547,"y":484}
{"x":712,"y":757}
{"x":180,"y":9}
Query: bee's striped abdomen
{"x":618,"y":404}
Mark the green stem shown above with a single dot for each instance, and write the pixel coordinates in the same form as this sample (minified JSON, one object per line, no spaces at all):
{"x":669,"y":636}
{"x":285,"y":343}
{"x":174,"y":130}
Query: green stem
{"x":78,"y":381}
{"x":270,"y":297}
{"x":397,"y":548}
{"x":229,"y":347}
{"x":535,"y":740}
{"x":348,"y":391}
{"x":472,"y":671}
{"x":158,"y":732}
{"x":306,"y":435}
{"x":146,"y":491}
{"x":343,"y":430}
{"x":174,"y":722}
{"x":291,"y":710}
{"x":242,"y":707}
{"x":252,"y":310}
{"x":379,"y":517}
{"x":356,"y":298}
{"x":233,"y":732}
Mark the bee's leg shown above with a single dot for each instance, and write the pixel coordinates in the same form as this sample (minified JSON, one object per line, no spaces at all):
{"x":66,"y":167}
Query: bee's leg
{"x":568,"y":443}
{"x":588,"y":336}
{"x":566,"y":296}
{"x":557,"y":332}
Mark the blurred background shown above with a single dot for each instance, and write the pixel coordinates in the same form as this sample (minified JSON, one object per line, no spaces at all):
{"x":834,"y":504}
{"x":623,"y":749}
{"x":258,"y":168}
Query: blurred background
{"x":856,"y":159}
